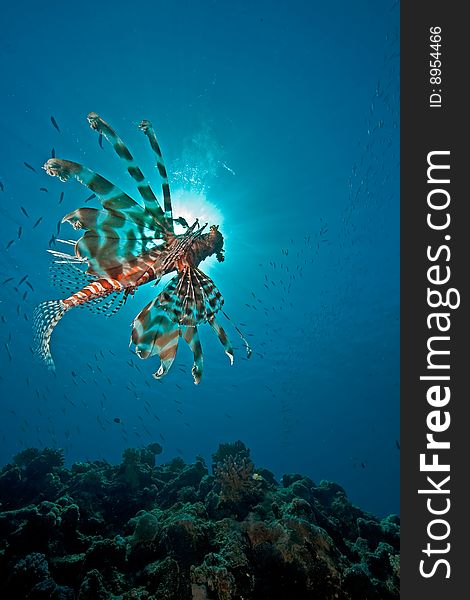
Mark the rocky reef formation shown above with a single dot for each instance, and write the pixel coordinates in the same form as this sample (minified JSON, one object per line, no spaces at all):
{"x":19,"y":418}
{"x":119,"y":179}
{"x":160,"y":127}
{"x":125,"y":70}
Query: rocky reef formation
{"x":141,"y":530}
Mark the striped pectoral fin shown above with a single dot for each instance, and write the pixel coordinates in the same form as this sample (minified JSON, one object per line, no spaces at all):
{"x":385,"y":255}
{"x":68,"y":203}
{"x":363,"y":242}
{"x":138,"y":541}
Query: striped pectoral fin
{"x":167,"y":346}
{"x":191,"y":336}
{"x":213,"y":299}
{"x":195,"y":298}
{"x":223,"y":338}
{"x":155,"y":333}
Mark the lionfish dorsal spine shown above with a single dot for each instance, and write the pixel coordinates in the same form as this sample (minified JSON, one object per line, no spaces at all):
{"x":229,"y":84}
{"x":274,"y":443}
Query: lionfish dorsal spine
{"x":147,"y":128}
{"x":145,"y":191}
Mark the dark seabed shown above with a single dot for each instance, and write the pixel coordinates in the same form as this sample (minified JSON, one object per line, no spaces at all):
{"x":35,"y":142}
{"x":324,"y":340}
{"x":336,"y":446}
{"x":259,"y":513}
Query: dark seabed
{"x":279,"y":122}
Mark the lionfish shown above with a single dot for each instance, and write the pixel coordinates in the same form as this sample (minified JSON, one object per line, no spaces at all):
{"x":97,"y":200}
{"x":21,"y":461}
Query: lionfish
{"x":127,"y":244}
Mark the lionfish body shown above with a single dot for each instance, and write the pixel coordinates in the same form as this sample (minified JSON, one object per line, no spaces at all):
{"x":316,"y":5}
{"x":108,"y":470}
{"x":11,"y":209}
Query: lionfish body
{"x":127,"y":244}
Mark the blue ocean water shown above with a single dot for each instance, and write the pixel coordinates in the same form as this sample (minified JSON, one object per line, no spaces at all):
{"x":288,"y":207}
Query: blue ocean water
{"x":278,"y":121}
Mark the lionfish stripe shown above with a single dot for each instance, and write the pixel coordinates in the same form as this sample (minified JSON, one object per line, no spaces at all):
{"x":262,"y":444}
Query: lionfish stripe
{"x":191,"y":336}
{"x":223,"y":338}
{"x":166,"y":350}
{"x":146,"y":127}
{"x":192,"y":298}
{"x":96,"y":289}
{"x":154,"y":333}
{"x":145,"y":191}
{"x":212,"y":298}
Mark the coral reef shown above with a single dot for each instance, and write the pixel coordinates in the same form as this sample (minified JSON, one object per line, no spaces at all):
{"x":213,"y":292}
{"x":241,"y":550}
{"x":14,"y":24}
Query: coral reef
{"x":141,"y":530}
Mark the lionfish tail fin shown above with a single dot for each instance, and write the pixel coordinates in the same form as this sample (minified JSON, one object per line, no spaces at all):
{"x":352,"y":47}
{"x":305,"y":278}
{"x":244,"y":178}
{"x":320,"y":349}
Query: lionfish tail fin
{"x":46,"y":317}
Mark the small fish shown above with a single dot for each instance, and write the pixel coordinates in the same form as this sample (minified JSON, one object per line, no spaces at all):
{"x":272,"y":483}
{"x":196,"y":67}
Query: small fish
{"x":9,"y":244}
{"x":28,"y":166}
{"x":9,"y":355}
{"x":23,"y":210}
{"x":37,"y":222}
{"x":53,"y":153}
{"x":30,"y":286}
{"x":54,"y":123}
{"x":228,"y":169}
{"x":52,"y":241}
{"x":2,"y":188}
{"x":100,"y":141}
{"x":7,"y":280}
{"x":397,"y":444}
{"x":59,"y":223}
{"x":20,"y":231}
{"x":90,"y":198}
{"x":23,"y":279}
{"x":61,"y":197}
{"x":43,"y":189}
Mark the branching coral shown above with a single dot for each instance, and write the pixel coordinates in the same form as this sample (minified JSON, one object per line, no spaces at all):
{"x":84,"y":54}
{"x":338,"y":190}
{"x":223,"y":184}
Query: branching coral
{"x":236,"y":478}
{"x":228,"y":450}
